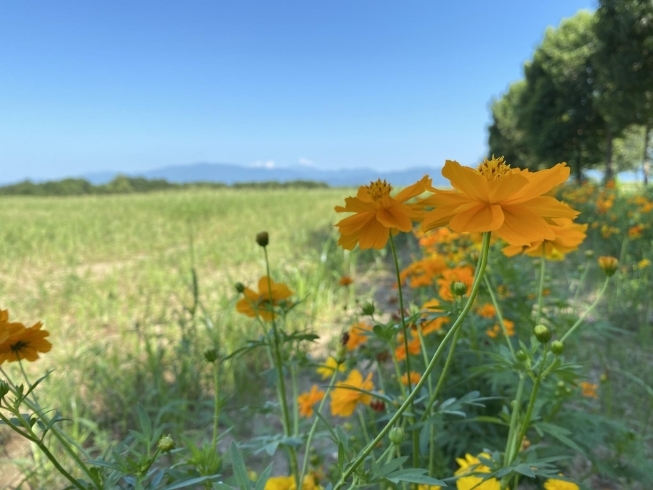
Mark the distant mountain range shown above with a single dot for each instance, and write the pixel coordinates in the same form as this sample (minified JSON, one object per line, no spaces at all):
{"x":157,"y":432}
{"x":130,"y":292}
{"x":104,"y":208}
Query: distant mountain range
{"x":231,"y":174}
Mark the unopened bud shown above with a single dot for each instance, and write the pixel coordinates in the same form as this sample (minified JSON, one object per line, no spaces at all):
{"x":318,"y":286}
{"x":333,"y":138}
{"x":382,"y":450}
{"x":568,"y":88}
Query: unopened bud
{"x":589,"y":254}
{"x":4,"y":389}
{"x":557,"y":347}
{"x":521,"y":355}
{"x":396,"y":435}
{"x":240,"y":287}
{"x":211,"y":355}
{"x":263,"y":238}
{"x":458,"y":288}
{"x":542,"y":333}
{"x":341,"y":353}
{"x":377,"y":405}
{"x":166,"y":444}
{"x":368,"y":309}
{"x":603,"y":378}
{"x":608,"y":265}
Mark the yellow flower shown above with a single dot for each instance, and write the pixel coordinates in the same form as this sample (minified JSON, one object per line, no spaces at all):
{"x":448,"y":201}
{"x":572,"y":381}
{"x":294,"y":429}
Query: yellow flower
{"x":608,"y":265}
{"x":588,"y":390}
{"x":553,"y":484}
{"x":414,"y":378}
{"x":642,"y":264}
{"x":308,"y":399}
{"x":377,"y":214}
{"x":472,"y":465}
{"x":635,"y":232}
{"x":495,"y":198}
{"x":424,"y":486}
{"x":19,"y":343}
{"x":262,"y":303}
{"x":326,"y":370}
{"x":357,"y":335}
{"x":568,"y":236}
{"x":344,"y":399}
{"x":288,"y":483}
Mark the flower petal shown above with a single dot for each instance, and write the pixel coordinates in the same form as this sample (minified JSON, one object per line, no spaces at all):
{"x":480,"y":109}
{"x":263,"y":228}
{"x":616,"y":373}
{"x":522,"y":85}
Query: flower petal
{"x":414,"y":190}
{"x":395,"y":216}
{"x":373,"y":235}
{"x":549,"y":207}
{"x":466,"y":180}
{"x":478,"y":219}
{"x":540,"y":182}
{"x":521,"y":227}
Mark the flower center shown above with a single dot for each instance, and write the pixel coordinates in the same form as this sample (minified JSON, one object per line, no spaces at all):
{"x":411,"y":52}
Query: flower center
{"x":494,"y":168}
{"x":18,"y":346}
{"x":379,"y":189}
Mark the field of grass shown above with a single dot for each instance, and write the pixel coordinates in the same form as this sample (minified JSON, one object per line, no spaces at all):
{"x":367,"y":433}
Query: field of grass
{"x":111,"y":277}
{"x":134,"y":288}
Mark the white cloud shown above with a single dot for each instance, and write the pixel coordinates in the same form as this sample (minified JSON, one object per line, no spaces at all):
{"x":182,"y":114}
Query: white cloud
{"x":306,"y":162}
{"x":264,"y":164}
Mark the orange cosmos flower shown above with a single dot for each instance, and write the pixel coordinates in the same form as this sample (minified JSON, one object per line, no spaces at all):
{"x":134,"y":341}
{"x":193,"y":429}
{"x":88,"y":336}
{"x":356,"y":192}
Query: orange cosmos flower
{"x":345,"y":281}
{"x":358,"y":335}
{"x":19,"y":343}
{"x":423,"y":272}
{"x":435,"y":324}
{"x":568,"y":236}
{"x":487,"y":311}
{"x":464,"y":274}
{"x":262,"y":303}
{"x":377,"y":214}
{"x":588,"y":390}
{"x":344,"y":399}
{"x":495,"y":198}
{"x":635,"y":232}
{"x":308,"y":399}
{"x":608,"y":265}
{"x":414,"y":347}
{"x":494,"y":332}
{"x":414,"y":378}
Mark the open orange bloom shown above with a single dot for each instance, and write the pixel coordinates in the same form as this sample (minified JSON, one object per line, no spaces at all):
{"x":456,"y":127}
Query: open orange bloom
{"x":487,"y":311}
{"x":494,"y":332}
{"x":330,"y":365}
{"x":377,"y":214}
{"x":19,"y":343}
{"x":588,"y":390}
{"x":262,"y":303}
{"x":495,"y":198}
{"x":435,"y":324}
{"x":414,"y":347}
{"x":568,"y":236}
{"x":305,"y":401}
{"x":358,"y":335}
{"x":423,"y":272}
{"x":414,"y":378}
{"x":344,"y":399}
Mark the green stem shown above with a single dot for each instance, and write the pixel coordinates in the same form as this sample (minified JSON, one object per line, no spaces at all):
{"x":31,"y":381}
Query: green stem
{"x":295,"y":394}
{"x":531,"y":404}
{"x":482,"y":263}
{"x":540,"y":294}
{"x":495,"y":303}
{"x":216,"y":398}
{"x":311,"y":433}
{"x":282,"y":382}
{"x":404,"y":329}
{"x":513,"y":420}
{"x":587,"y":312}
{"x":581,"y":281}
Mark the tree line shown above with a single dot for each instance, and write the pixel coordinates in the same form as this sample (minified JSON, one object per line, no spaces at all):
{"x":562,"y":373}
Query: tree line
{"x":586,"y":97}
{"x":123,"y":184}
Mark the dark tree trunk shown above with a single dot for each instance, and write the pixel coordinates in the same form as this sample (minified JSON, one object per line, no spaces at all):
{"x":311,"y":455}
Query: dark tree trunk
{"x":646,"y":165}
{"x":609,"y":171}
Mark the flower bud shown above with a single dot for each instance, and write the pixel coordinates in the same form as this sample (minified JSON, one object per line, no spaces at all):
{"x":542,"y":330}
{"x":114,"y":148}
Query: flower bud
{"x":458,"y":288}
{"x":341,"y":353}
{"x":396,"y":435}
{"x":608,"y":265}
{"x":521,"y":355}
{"x":240,"y":287}
{"x":166,"y":444}
{"x":368,"y":309}
{"x":263,"y":238}
{"x":542,"y":333}
{"x":589,"y":254}
{"x":377,"y":405}
{"x":603,"y":378}
{"x":4,"y":389}
{"x":561,"y":384}
{"x":557,"y":347}
{"x":211,"y":355}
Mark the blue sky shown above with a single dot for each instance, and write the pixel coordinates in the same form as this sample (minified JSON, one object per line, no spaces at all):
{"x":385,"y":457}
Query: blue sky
{"x":120,"y":85}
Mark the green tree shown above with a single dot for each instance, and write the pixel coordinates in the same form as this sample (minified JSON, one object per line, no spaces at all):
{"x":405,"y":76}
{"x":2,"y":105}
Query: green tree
{"x":559,"y":115}
{"x":624,"y":62}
